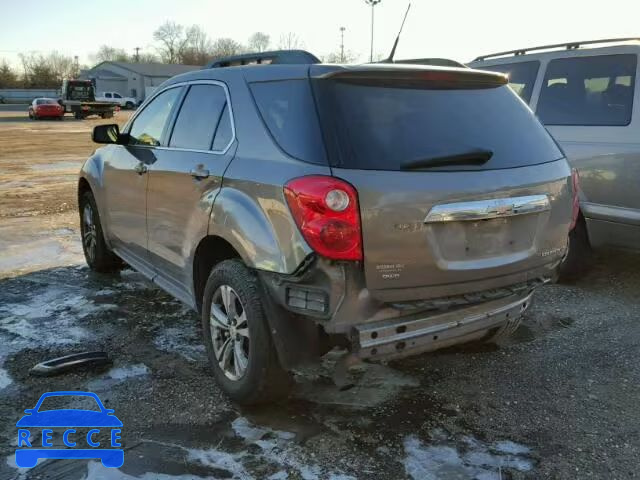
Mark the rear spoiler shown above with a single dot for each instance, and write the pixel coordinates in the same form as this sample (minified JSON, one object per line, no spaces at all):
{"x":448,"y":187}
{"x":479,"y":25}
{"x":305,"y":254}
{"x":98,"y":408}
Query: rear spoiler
{"x":412,"y":77}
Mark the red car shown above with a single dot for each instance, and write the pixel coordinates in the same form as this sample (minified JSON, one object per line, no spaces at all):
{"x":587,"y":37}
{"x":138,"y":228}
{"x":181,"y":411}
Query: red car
{"x":45,"y":108}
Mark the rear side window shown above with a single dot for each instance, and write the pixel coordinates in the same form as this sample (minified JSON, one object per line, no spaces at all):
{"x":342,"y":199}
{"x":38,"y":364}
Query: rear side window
{"x":594,"y":90}
{"x":288,"y":111}
{"x":384,"y":127}
{"x":522,"y":76}
{"x":198,"y":118}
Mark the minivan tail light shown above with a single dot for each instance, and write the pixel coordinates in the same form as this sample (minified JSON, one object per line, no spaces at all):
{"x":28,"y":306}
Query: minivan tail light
{"x":327,"y":214}
{"x":575,"y":184}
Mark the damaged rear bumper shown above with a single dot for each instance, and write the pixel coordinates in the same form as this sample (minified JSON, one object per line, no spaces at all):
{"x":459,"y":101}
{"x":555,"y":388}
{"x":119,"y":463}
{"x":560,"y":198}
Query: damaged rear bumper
{"x":407,"y":336}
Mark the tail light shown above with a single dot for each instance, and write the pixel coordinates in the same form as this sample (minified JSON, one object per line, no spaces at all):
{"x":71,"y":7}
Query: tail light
{"x":575,"y":183}
{"x":327,"y":214}
{"x":85,"y":107}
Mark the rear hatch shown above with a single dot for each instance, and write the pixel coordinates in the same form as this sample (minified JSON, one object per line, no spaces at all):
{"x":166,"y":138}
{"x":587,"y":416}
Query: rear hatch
{"x":460,"y":188}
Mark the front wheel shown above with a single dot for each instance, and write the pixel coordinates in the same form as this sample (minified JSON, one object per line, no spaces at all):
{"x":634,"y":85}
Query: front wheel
{"x":236,"y":335}
{"x":96,"y":252}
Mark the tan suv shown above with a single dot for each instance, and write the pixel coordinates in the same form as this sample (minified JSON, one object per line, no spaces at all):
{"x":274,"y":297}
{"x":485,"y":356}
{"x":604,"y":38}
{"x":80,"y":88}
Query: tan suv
{"x":387,"y":209}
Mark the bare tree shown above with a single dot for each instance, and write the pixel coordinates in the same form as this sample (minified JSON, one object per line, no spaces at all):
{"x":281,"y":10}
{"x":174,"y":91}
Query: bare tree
{"x":173,"y":41}
{"x":38,"y":72}
{"x":198,"y":47}
{"x":336,"y":57}
{"x":224,"y":47}
{"x":61,"y":65}
{"x":110,"y":54}
{"x":8,"y":77}
{"x":290,"y":41}
{"x":259,"y":42}
{"x":147,"y":57}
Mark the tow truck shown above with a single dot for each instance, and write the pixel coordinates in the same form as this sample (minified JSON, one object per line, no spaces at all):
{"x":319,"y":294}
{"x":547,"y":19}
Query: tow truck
{"x":78,"y":97}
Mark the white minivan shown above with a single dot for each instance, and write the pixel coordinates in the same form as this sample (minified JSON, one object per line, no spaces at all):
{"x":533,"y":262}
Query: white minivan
{"x":586,"y":94}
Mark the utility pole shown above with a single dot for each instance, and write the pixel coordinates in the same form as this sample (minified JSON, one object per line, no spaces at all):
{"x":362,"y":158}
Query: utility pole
{"x":137,"y":57}
{"x":342,"y":29}
{"x":373,"y":3}
{"x":76,"y":66}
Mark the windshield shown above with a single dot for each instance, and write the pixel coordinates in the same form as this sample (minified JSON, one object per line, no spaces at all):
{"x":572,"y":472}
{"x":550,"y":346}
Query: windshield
{"x":45,"y":101}
{"x":80,"y":91}
{"x":76,"y":402}
{"x":383,"y":128}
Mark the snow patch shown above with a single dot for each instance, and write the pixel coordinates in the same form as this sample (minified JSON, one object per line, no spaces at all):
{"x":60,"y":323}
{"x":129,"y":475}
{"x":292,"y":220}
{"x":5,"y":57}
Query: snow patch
{"x":95,"y":471}
{"x":121,"y":373}
{"x":480,"y":461}
{"x":182,"y":340}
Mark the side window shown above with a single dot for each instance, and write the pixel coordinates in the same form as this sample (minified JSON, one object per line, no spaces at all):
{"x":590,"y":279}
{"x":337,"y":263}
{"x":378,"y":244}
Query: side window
{"x":522,"y":76}
{"x":224,"y":132}
{"x":594,"y":90}
{"x":148,"y":126}
{"x":198,"y":118}
{"x":288,"y":111}
{"x":117,"y":95}
{"x":107,"y":95}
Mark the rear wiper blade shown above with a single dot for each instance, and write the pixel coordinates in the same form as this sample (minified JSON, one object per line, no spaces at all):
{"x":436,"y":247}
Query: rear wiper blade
{"x":474,"y":157}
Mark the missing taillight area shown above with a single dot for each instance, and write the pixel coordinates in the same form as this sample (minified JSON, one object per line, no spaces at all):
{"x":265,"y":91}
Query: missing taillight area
{"x":327,"y":214}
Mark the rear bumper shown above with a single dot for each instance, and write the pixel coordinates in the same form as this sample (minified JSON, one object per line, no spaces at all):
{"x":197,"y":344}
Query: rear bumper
{"x":401,"y":337}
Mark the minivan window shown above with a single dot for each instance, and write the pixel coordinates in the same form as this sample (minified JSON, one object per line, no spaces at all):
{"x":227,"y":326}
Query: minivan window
{"x":522,"y":76}
{"x":595,"y":90}
{"x":198,"y":117}
{"x":288,"y":111}
{"x":147,"y":127}
{"x":384,"y":127}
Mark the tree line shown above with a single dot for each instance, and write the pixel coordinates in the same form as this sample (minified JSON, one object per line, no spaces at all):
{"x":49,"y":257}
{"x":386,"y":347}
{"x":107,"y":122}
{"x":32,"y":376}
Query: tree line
{"x":174,"y":43}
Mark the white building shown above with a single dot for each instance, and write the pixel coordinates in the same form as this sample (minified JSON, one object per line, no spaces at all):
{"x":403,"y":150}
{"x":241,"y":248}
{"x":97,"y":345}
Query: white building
{"x":133,"y":79}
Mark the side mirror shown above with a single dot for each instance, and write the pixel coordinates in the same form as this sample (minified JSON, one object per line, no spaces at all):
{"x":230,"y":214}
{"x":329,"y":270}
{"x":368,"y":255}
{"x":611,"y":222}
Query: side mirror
{"x":106,"y":134}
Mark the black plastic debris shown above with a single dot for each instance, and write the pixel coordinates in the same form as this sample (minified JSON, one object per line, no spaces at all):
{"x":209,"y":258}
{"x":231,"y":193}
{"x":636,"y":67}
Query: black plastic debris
{"x":74,"y":361}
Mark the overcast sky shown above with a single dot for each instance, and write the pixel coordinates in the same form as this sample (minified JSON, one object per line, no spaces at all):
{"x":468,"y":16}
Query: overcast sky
{"x":455,"y":29}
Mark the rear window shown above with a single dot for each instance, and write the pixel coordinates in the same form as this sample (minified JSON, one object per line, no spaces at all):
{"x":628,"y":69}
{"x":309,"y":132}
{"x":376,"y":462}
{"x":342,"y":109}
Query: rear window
{"x":288,"y":111}
{"x":522,"y":76}
{"x":594,"y":90}
{"x":382,"y":127}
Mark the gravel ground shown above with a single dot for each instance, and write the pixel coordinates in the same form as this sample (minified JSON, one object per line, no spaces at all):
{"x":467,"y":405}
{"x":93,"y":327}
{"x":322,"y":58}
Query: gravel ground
{"x":558,"y":400}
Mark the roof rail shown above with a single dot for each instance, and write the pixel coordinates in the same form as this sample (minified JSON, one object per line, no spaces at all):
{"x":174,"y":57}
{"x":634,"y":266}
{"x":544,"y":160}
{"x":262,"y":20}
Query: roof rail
{"x":273,"y":57}
{"x":568,"y":46}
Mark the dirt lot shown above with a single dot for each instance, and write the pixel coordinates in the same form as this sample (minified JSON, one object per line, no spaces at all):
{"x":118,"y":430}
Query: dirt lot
{"x":559,"y":400}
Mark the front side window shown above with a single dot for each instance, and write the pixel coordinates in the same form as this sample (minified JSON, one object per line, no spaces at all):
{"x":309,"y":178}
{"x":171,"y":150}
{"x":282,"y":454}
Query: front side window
{"x":147,"y":127}
{"x":594,"y":90}
{"x":199,"y":117}
{"x":116,"y":95}
{"x":522,"y":76}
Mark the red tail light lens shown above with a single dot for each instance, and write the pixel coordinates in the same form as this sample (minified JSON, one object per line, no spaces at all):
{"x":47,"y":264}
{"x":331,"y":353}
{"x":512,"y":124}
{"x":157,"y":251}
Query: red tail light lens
{"x":575,"y":183}
{"x":327,"y":214}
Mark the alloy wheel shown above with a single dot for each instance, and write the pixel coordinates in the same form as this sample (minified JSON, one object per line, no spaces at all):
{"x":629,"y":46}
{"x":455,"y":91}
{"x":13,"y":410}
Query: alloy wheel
{"x":229,"y":332}
{"x":89,"y":235}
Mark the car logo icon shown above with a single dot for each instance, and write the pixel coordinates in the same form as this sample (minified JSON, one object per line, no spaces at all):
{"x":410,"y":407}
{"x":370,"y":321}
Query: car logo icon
{"x":68,"y":418}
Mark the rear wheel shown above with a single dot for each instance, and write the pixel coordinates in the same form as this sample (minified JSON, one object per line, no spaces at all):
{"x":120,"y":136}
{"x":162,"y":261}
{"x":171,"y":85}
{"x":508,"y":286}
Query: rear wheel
{"x":580,"y":255}
{"x":237,"y":338}
{"x":96,"y":252}
{"x":129,"y":106}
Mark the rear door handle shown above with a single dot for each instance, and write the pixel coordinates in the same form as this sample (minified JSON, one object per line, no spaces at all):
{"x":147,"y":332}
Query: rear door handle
{"x":199,"y":172}
{"x":140,"y":168}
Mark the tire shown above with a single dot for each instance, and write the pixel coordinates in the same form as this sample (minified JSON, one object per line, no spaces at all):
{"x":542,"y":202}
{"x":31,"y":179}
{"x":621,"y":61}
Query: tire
{"x":580,"y":255}
{"x":250,"y":373}
{"x":96,"y":253}
{"x":128,"y":106}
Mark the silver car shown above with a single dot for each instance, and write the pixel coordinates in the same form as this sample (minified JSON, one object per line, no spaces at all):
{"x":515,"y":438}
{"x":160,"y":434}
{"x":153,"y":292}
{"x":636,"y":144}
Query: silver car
{"x":385,"y":209}
{"x":584,"y":93}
